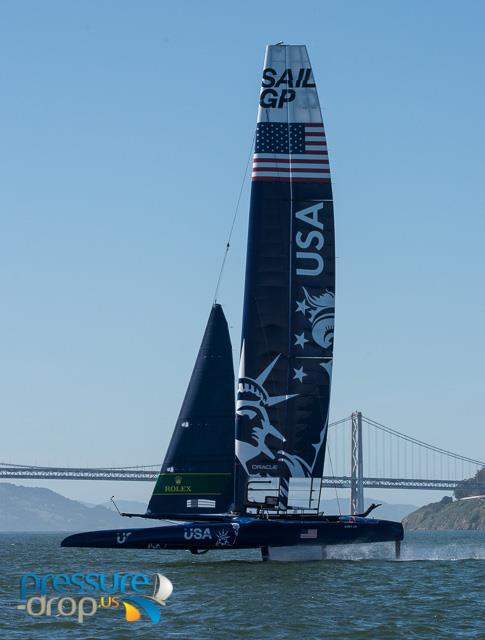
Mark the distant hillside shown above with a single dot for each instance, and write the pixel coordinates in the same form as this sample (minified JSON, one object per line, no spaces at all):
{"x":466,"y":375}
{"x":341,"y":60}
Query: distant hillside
{"x":35,"y":509}
{"x":38,"y":509}
{"x":467,"y":513}
{"x":472,"y":487}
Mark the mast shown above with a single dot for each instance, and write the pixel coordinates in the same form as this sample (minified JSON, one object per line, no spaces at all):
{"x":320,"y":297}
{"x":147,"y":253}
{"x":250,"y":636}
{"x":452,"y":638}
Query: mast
{"x":288,"y":319}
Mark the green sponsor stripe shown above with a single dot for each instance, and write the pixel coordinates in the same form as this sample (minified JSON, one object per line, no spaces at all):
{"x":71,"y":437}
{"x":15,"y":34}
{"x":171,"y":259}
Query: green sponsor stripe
{"x":208,"y":484}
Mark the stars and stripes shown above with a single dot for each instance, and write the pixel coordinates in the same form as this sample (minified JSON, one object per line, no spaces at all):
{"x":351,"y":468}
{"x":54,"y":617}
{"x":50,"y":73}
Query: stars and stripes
{"x":290,"y":151}
{"x":308,"y":534}
{"x":200,"y":503}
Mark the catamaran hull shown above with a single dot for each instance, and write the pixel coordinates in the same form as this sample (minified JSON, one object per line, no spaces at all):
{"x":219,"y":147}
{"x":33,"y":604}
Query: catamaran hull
{"x":244,"y":533}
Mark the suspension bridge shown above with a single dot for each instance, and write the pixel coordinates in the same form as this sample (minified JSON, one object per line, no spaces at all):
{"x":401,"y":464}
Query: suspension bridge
{"x":361,"y":453}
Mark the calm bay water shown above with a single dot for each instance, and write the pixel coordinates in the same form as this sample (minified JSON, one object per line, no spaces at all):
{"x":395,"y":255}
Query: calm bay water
{"x":437,"y":590}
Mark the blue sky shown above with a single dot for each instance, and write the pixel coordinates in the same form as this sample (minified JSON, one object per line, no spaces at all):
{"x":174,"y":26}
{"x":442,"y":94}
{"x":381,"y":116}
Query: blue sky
{"x":126,"y":128}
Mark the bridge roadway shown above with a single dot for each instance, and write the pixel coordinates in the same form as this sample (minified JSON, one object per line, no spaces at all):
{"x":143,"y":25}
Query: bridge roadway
{"x":145,"y":475}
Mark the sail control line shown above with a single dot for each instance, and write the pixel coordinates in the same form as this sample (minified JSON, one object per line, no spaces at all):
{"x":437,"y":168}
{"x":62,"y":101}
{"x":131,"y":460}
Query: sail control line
{"x":233,"y":223}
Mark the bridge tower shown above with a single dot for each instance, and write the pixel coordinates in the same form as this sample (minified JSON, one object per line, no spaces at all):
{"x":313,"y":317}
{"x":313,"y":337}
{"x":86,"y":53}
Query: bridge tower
{"x":357,"y":472}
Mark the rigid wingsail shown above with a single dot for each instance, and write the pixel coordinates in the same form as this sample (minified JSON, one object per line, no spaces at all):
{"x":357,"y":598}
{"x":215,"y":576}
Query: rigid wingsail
{"x":231,"y":463}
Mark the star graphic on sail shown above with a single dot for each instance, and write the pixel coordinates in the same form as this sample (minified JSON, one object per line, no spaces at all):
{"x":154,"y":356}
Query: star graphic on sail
{"x":299,"y":374}
{"x":321,"y":315}
{"x":302,"y":306}
{"x":300,"y":340}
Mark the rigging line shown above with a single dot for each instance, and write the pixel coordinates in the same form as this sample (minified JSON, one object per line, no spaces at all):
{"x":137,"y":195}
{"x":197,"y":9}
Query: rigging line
{"x":335,"y":486}
{"x":234,"y":217}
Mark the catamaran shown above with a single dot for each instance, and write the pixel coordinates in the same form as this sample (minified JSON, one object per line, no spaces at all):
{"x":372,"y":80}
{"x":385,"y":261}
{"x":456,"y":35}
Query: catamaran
{"x":233,"y":465}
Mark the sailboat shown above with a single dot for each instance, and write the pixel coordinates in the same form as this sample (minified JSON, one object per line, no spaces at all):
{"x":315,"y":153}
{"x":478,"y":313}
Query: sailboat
{"x":233,"y":466}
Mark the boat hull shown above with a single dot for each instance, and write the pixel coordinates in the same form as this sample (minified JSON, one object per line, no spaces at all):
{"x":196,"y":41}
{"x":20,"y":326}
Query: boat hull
{"x":244,"y":533}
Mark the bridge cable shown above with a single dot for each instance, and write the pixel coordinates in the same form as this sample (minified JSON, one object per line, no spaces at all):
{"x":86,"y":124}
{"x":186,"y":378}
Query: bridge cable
{"x":394,"y":432}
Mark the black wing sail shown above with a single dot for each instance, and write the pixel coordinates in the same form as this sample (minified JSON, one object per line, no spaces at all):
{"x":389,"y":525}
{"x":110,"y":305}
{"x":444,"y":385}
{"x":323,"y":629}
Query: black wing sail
{"x":198,"y":470}
{"x":287,"y":337}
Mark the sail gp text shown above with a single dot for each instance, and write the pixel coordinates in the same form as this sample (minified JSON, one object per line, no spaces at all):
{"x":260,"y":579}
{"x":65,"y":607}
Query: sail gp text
{"x":280,"y":88}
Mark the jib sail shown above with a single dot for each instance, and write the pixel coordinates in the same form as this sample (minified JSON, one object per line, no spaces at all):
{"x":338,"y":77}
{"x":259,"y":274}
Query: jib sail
{"x":198,"y":470}
{"x":288,"y":320}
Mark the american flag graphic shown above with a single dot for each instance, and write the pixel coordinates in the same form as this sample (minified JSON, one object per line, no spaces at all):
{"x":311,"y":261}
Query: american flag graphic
{"x":195,"y":503}
{"x":308,"y":534}
{"x":290,"y":151}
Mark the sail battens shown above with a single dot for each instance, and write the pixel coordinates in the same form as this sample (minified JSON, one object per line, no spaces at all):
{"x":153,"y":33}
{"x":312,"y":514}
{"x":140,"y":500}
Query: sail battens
{"x":276,"y":177}
{"x":319,"y":168}
{"x":316,"y":160}
{"x":308,"y":157}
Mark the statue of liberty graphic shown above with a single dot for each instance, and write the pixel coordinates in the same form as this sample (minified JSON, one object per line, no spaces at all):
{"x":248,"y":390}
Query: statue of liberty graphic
{"x":260,"y":446}
{"x":252,"y":448}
